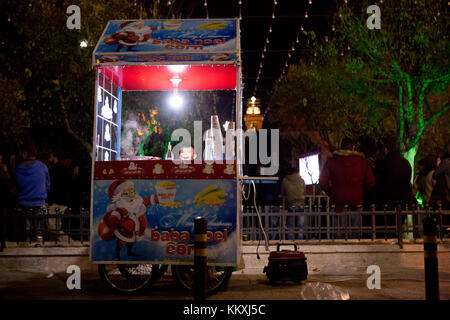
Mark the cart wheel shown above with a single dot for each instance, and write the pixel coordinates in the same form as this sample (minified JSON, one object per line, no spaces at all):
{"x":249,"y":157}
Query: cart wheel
{"x":217,"y":277}
{"x":130,"y":278}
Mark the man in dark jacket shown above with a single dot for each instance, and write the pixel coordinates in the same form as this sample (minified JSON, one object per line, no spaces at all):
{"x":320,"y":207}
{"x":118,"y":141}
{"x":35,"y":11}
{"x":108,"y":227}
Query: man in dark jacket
{"x":393,"y":177}
{"x":346,"y":177}
{"x":60,"y":179}
{"x":441,"y":191}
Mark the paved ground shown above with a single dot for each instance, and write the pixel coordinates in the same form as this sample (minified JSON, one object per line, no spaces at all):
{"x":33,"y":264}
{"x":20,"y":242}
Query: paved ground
{"x":38,"y":286}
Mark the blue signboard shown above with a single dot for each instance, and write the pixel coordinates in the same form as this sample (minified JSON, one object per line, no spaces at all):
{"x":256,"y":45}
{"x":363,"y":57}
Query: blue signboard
{"x":150,"y":41}
{"x":153,"y":220}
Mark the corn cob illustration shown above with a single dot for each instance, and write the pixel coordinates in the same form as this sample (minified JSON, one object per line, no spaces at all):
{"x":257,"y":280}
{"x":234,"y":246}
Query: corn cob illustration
{"x":210,"y":196}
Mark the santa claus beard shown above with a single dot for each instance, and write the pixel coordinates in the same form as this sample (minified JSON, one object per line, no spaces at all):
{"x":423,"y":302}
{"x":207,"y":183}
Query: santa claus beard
{"x":133,"y":205}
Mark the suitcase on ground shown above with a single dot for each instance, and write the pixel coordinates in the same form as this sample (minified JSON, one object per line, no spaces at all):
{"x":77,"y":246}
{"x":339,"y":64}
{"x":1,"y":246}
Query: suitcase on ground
{"x":286,"y":265}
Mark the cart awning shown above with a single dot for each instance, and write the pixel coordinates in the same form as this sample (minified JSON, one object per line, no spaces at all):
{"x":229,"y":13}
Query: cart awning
{"x":156,"y":42}
{"x":147,"y":55}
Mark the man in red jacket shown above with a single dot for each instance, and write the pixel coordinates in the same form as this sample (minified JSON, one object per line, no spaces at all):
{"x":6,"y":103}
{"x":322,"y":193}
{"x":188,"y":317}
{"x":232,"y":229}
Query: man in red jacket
{"x":345,"y":178}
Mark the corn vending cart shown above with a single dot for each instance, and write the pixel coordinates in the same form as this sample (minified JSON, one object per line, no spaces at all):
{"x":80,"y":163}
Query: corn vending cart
{"x":143,"y":208}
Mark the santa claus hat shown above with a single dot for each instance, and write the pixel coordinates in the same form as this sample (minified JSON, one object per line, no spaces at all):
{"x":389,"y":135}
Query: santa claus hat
{"x":117,"y":187}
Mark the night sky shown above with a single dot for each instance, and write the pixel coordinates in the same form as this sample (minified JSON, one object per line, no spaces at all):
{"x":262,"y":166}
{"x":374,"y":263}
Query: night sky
{"x":256,"y":20}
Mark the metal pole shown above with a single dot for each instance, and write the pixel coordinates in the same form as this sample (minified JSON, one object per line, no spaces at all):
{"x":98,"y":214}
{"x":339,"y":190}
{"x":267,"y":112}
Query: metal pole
{"x":399,"y":225}
{"x":431,"y":260}
{"x":200,"y":268}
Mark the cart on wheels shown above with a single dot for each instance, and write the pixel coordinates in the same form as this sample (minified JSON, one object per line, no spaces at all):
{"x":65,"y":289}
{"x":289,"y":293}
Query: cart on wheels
{"x":143,"y":206}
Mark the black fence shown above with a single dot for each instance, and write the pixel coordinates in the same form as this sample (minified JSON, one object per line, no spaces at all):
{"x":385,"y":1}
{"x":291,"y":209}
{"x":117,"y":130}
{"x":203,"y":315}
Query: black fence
{"x":321,"y":222}
{"x":315,"y":222}
{"x":41,"y":224}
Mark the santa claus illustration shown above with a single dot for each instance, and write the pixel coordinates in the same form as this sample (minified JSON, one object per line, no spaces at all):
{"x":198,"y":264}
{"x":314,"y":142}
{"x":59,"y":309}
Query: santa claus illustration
{"x":136,"y":32}
{"x":125,"y":216}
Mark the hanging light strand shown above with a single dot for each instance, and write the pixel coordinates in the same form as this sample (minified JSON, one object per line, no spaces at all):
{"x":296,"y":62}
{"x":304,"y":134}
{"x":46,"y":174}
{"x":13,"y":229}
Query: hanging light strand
{"x":206,"y":8}
{"x":240,"y":9}
{"x":261,"y":64}
{"x":296,"y":40}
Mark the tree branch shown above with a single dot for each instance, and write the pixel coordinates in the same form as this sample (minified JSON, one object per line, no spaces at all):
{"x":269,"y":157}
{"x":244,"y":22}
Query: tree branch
{"x":65,"y":115}
{"x":437,"y":115}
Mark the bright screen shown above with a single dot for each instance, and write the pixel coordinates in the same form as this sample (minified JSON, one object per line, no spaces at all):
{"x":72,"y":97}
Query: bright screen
{"x":309,"y":168}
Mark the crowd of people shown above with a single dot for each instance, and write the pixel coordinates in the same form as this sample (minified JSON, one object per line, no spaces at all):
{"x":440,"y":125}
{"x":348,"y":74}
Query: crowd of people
{"x":36,"y":187}
{"x":354,"y":181}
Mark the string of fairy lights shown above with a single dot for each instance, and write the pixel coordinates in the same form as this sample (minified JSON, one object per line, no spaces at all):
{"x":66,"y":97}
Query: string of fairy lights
{"x":265,"y":47}
{"x":295,"y":42}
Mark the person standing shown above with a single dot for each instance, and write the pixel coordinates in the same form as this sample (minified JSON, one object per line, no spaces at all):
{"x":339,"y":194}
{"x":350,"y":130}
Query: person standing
{"x":60,"y":179}
{"x":441,"y":191}
{"x":393,"y":177}
{"x":346,"y":177}
{"x":426,"y":184}
{"x":5,"y":194}
{"x":59,"y":193}
{"x":293,"y":189}
{"x":33,"y":183}
{"x":394,"y":185}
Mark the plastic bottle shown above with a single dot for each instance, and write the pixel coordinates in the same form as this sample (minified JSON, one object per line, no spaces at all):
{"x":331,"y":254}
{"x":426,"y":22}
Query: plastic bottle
{"x":169,"y":154}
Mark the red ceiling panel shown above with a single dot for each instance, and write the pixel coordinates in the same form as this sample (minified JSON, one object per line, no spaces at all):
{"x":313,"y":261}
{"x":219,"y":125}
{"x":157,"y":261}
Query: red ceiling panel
{"x":157,"y":78}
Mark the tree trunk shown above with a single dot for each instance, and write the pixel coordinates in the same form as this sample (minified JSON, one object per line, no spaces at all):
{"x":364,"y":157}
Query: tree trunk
{"x":410,"y":156}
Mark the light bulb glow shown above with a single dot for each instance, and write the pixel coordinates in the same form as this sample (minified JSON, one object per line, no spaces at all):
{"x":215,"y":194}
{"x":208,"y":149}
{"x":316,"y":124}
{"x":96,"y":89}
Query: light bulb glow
{"x":175,"y":101}
{"x":177,"y":68}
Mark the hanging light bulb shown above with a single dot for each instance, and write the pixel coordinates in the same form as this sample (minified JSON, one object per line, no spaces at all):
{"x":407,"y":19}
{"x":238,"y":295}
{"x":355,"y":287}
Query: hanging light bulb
{"x":296,"y":40}
{"x":293,"y":47}
{"x":265,"y":49}
{"x":310,"y":2}
{"x":315,"y":54}
{"x":169,"y":3}
{"x":326,"y":38}
{"x":301,"y":28}
{"x":306,"y":15}
{"x":267,"y":40}
{"x":270,"y":29}
{"x":333,"y":28}
{"x":289,"y":55}
{"x":262,"y":56}
{"x":273,"y":15}
{"x":438,"y":13}
{"x":348,"y":47}
{"x":275,"y":2}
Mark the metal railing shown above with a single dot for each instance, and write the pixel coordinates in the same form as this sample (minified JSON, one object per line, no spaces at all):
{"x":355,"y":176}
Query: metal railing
{"x":39,"y":224}
{"x":320,"y":222}
{"x":317,"y":221}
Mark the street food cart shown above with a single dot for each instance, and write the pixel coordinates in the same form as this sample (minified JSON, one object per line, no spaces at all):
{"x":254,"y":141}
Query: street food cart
{"x":142,"y":206}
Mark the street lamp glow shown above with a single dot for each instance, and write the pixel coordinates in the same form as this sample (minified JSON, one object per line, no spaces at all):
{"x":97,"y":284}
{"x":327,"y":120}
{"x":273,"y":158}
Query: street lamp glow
{"x":84,"y":43}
